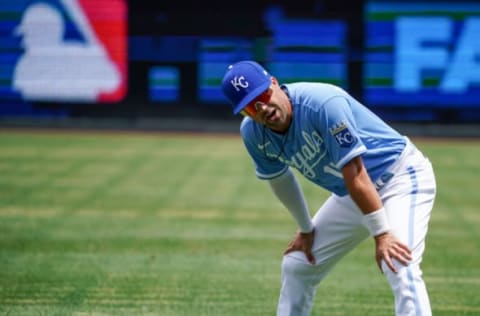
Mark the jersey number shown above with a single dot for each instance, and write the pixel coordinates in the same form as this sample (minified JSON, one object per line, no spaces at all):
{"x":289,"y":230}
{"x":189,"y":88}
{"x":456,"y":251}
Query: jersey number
{"x":330,"y":168}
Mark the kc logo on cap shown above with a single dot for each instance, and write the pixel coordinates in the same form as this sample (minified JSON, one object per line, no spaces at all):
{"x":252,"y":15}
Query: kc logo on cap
{"x":243,"y":82}
{"x":239,"y":82}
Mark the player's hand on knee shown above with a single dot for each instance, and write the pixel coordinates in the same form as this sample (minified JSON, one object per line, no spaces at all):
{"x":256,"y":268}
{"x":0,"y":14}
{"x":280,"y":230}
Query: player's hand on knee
{"x":389,"y":247}
{"x":302,"y":242}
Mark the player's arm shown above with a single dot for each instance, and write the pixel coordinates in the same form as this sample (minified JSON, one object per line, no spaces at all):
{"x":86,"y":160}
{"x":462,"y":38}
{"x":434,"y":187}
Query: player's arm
{"x":287,"y":189}
{"x":285,"y":186}
{"x":366,"y":197}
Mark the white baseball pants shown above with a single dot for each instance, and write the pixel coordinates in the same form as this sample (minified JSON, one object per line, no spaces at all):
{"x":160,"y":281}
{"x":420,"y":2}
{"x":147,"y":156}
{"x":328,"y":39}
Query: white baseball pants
{"x":408,"y":198}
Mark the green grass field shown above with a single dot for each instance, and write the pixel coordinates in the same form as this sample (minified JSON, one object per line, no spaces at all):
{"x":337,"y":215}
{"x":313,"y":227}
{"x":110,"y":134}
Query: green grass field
{"x":171,"y":225}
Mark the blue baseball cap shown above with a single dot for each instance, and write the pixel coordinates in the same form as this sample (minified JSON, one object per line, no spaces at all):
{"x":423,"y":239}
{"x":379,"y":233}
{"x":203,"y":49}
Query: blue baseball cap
{"x":243,"y":82}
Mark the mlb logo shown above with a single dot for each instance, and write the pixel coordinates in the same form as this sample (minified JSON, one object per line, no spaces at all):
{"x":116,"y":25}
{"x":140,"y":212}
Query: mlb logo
{"x":69,"y":50}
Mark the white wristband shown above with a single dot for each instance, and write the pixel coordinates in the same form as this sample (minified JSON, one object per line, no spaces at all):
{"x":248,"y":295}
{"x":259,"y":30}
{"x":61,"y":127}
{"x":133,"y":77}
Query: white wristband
{"x":377,"y":222}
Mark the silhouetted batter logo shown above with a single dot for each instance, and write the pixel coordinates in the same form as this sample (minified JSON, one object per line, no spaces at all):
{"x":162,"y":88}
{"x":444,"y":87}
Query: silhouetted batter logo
{"x":89,"y":68}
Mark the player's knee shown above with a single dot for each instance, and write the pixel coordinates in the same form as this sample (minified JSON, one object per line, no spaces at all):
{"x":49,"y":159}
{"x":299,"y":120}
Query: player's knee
{"x":298,"y":288}
{"x":289,"y":266}
{"x":405,"y":275}
{"x":295,"y":265}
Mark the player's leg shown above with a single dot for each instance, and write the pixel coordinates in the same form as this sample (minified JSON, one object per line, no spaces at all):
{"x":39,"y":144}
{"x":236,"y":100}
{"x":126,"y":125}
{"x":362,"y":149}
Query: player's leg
{"x":409,"y":200}
{"x":338,"y":229}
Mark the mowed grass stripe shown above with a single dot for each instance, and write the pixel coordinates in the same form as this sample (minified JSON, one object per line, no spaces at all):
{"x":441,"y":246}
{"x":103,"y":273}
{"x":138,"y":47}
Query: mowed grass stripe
{"x":130,"y":224}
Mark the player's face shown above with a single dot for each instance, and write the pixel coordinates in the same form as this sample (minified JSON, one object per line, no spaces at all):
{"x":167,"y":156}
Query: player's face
{"x":272,"y":108}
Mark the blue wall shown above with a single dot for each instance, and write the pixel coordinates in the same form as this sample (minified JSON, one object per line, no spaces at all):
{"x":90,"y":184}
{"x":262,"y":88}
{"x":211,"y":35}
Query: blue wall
{"x":408,"y":61}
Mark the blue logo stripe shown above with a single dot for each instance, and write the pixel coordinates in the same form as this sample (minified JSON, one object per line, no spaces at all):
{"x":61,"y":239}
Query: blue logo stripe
{"x":411,"y":236}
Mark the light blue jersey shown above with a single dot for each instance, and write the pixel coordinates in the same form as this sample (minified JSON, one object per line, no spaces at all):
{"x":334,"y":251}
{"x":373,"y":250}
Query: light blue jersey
{"x":329,"y":128}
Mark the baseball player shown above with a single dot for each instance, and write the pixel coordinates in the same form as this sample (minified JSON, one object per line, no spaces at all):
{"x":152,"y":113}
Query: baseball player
{"x":381,"y":184}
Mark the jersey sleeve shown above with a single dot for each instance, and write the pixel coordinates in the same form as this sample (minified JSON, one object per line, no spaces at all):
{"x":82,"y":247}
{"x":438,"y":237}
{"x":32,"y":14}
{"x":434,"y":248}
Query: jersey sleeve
{"x":340,"y":131}
{"x":265,"y":168}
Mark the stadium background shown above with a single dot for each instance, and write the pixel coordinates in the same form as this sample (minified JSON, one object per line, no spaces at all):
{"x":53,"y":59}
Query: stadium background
{"x":174,"y":54}
{"x":97,"y":221}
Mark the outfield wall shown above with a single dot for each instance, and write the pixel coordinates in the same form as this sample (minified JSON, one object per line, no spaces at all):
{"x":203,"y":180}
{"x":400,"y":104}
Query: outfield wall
{"x":158,"y":65}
